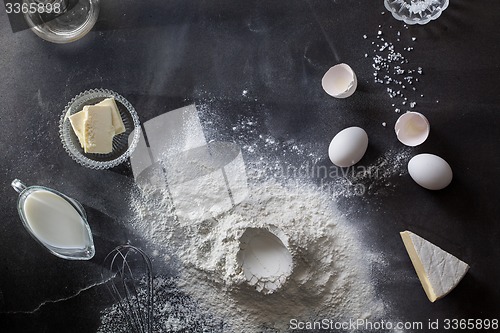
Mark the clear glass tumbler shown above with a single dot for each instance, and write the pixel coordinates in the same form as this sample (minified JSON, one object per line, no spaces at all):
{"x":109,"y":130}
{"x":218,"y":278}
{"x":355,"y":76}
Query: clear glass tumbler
{"x":61,"y":21}
{"x":416,"y":11}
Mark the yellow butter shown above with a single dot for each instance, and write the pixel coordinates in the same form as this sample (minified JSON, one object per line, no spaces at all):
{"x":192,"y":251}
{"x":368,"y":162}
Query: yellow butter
{"x":117,"y":119}
{"x":98,"y":130}
{"x":77,"y":120}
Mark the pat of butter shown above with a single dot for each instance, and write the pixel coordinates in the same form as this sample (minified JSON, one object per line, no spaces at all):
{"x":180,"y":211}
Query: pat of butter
{"x":77,"y":120}
{"x":98,"y":130}
{"x":117,"y":119}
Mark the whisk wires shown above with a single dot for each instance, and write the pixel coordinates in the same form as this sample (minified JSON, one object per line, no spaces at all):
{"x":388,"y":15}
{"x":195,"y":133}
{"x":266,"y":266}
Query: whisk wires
{"x":136,"y":306}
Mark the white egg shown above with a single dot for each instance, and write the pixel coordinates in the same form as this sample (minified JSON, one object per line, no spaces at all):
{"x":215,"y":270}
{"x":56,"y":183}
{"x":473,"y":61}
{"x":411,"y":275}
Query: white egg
{"x":348,"y":146}
{"x":430,"y":171}
{"x":412,"y":128}
{"x":340,"y":81}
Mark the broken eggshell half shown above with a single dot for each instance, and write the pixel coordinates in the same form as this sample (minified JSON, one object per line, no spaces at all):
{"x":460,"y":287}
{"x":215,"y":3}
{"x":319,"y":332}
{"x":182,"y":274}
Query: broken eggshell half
{"x":340,"y":81}
{"x":412,"y":128}
{"x":265,"y":258}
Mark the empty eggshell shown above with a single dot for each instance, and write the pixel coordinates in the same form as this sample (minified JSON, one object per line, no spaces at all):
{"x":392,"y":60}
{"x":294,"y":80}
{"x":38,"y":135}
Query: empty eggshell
{"x":412,"y":128}
{"x":340,"y":81}
{"x":430,"y":171}
{"x":348,"y":146}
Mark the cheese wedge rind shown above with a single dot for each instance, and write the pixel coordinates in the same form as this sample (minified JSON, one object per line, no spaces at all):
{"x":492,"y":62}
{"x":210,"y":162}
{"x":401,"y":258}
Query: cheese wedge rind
{"x":438,"y":271}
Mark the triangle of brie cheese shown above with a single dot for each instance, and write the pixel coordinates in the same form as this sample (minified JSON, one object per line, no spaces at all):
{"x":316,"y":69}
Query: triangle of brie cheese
{"x":438,"y":271}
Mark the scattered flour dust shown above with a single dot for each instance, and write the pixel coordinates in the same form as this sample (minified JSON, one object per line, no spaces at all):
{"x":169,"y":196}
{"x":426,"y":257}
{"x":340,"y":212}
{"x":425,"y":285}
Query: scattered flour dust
{"x":173,"y":311}
{"x":331,"y":275}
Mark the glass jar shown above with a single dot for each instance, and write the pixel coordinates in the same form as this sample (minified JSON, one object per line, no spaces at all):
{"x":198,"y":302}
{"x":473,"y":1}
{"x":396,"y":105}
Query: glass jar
{"x":61,"y":21}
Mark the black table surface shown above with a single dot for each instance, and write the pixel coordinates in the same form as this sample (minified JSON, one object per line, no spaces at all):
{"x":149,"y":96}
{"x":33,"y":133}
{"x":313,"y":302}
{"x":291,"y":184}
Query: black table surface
{"x":162,"y":55}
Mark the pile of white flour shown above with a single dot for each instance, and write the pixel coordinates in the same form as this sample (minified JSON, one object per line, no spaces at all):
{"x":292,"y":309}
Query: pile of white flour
{"x":331,"y":276}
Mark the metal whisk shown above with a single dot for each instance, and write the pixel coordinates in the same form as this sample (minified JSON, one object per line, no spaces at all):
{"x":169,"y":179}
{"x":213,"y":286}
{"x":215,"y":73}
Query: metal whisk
{"x":130,"y":267}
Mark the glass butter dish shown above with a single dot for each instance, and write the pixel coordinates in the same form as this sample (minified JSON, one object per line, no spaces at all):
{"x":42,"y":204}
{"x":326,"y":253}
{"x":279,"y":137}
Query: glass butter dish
{"x":122,"y":147}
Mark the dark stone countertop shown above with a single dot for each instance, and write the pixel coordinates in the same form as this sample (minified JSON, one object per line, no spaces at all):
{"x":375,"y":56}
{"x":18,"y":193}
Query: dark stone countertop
{"x":162,"y":55}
